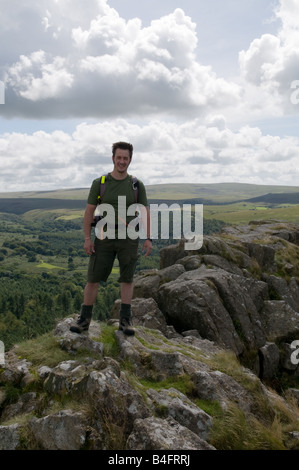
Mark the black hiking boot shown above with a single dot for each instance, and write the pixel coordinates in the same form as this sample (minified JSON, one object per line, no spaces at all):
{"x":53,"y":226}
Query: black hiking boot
{"x":82,"y":324}
{"x":126,"y":327}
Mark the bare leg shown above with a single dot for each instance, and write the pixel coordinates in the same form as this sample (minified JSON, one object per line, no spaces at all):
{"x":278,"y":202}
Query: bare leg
{"x":90,"y":293}
{"x":126,"y":292}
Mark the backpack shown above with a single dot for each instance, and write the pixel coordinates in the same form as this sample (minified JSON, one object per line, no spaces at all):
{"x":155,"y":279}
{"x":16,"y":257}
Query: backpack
{"x":135,"y":187}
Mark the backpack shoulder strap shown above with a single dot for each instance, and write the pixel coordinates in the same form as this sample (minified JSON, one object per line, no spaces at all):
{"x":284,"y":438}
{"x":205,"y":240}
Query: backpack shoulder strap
{"x":135,"y":185}
{"x":102,"y":187}
{"x":103,"y":181}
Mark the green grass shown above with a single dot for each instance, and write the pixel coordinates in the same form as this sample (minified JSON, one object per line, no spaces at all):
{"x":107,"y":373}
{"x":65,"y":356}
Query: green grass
{"x":218,"y":192}
{"x":43,"y":350}
{"x":49,"y":266}
{"x":74,"y":215}
{"x":182,"y":383}
{"x":107,"y":337}
{"x":243,"y":213}
{"x":233,"y":430}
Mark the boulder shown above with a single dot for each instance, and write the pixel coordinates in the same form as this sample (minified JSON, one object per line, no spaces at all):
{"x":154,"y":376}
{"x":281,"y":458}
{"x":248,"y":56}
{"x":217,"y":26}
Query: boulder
{"x":220,"y":387}
{"x":175,"y":404}
{"x":145,"y":312}
{"x":280,"y":321}
{"x":73,"y":342}
{"x":65,"y":430}
{"x":10,"y":437}
{"x":269,"y":360}
{"x":164,"y":434}
{"x":192,"y":302}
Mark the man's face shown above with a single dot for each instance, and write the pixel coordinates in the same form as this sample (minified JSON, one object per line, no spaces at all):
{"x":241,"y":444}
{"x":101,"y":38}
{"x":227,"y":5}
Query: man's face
{"x":121,"y":160}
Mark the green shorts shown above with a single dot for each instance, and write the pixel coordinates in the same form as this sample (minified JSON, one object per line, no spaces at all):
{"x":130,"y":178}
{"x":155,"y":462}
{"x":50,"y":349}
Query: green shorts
{"x":101,"y":262}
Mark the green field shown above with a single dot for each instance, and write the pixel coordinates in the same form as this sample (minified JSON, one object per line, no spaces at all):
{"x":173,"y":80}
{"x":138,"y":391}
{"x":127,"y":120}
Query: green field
{"x":217,"y":193}
{"x":228,"y":202}
{"x":243,"y":213}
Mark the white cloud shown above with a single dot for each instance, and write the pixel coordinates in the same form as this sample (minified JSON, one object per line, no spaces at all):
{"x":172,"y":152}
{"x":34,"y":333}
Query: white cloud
{"x":152,"y":68}
{"x":271,"y":61}
{"x":186,"y":122}
{"x":35,"y":79}
{"x":165,"y":152}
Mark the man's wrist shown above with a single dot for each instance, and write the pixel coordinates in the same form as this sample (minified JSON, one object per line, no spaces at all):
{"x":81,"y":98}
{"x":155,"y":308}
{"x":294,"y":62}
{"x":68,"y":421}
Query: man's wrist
{"x":149,"y":239}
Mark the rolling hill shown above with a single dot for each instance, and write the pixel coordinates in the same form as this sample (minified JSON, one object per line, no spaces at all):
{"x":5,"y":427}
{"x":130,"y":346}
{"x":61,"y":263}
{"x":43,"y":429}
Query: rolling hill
{"x":218,"y":194}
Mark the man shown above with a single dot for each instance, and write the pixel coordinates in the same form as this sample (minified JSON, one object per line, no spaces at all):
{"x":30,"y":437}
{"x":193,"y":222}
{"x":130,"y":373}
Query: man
{"x":104,"y":249}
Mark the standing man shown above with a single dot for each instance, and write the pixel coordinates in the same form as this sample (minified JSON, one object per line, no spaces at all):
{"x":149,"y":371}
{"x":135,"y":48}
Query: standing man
{"x":103,"y":250}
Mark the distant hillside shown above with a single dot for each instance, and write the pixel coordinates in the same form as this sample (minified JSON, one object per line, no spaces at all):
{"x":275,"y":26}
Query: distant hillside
{"x":73,"y":193}
{"x":283,"y":198}
{"x":207,"y":194}
{"x":22,"y":205}
{"x":218,"y":192}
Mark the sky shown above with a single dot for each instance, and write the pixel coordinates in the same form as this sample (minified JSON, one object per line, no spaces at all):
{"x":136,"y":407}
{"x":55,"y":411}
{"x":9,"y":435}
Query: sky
{"x":206,"y":91}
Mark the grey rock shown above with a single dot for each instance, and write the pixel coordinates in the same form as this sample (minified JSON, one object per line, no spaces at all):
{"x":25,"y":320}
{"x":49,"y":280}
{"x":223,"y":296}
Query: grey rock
{"x":65,"y":430}
{"x":145,"y":312}
{"x":190,"y":262}
{"x":171,"y":254}
{"x":173,"y":403}
{"x":218,"y":386}
{"x":73,"y":342}
{"x":264,"y":255}
{"x":147,"y":285}
{"x":44,"y":371}
{"x":15,"y":371}
{"x":222,"y":263}
{"x":280,"y":321}
{"x":148,"y":362}
{"x":269,"y":360}
{"x":27,"y":403}
{"x":280,"y":289}
{"x":192,"y":302}
{"x":9,"y":437}
{"x":164,"y":434}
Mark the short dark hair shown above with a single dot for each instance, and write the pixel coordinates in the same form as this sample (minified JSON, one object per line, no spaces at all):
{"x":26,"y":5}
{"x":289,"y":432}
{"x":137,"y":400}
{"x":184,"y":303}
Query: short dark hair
{"x":123,"y":146}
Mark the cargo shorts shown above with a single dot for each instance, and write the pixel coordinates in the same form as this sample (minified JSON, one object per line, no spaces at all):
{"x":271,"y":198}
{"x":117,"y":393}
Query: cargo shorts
{"x":101,"y":262}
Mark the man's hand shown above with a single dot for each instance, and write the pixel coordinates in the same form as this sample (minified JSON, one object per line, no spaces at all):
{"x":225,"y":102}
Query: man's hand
{"x":89,"y":246}
{"x":147,"y":247}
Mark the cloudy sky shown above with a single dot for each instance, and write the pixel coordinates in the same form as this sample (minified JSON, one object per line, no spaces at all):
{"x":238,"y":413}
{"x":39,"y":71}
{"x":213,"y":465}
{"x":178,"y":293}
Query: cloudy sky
{"x":207,"y":91}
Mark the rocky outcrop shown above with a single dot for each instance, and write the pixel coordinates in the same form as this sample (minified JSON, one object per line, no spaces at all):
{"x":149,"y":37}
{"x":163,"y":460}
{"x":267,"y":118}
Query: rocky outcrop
{"x":104,"y":408}
{"x":214,"y":333}
{"x":239,"y":290}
